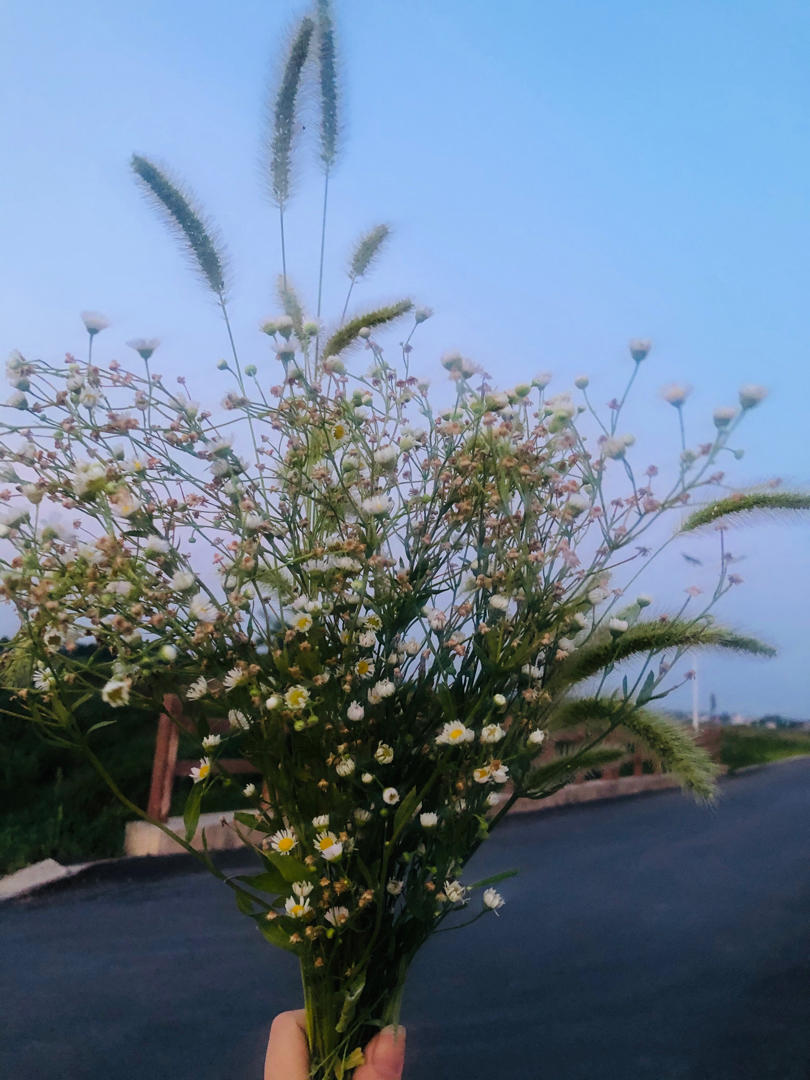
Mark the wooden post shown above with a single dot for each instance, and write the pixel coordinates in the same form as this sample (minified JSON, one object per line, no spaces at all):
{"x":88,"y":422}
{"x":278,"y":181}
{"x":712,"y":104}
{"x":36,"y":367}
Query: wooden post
{"x":160,"y":792}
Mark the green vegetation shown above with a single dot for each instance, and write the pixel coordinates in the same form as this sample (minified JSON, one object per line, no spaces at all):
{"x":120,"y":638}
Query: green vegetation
{"x":743,"y":746}
{"x":54,"y":805}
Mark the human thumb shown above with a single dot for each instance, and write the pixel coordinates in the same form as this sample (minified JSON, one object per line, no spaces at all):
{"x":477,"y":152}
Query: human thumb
{"x":385,"y":1056}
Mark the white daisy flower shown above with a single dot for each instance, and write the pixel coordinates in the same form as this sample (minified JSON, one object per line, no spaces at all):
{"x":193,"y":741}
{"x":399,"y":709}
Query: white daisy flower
{"x":238,"y":720}
{"x":303,"y":623}
{"x":390,"y":796}
{"x":301,"y":888}
{"x":494,"y":798}
{"x":428,"y":820}
{"x":499,"y":602}
{"x":201,"y":771}
{"x":235,"y":677}
{"x":386,"y":456}
{"x":384,"y":754}
{"x":345,"y":766}
{"x":454,"y":734}
{"x":297,"y":697}
{"x":202,"y":609}
{"x":115,"y":692}
{"x":337,"y":916}
{"x":367,"y":639}
{"x":536,"y":737}
{"x":197,"y":689}
{"x":297,"y":908}
{"x":328,"y":846}
{"x":94,"y":322}
{"x":364,"y":669}
{"x":499,"y":773}
{"x":43,"y":679}
{"x":376,"y":506}
{"x":482,"y":775}
{"x":249,"y":790}
{"x":156,"y":545}
{"x":492,"y":733}
{"x":362,"y":817}
{"x":411,"y":647}
{"x":211,"y":741}
{"x":355,"y":711}
{"x":676,"y":393}
{"x":182,"y":581}
{"x":283,"y":841}
{"x":321,"y":821}
{"x":394,"y":887}
{"x":751,"y":395}
{"x":492,"y":900}
{"x":455,"y":892}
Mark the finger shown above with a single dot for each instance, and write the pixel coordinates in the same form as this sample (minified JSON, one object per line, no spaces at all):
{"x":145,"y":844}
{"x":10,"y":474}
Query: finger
{"x":385,"y":1056}
{"x":287,"y":1055}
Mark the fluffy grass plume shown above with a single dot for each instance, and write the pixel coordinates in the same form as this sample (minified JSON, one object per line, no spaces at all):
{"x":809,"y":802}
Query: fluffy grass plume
{"x":283,"y":113}
{"x":744,"y":503}
{"x":187,"y":223}
{"x":368,"y":248}
{"x":327,"y":72}
{"x":648,"y":637}
{"x":344,"y":337}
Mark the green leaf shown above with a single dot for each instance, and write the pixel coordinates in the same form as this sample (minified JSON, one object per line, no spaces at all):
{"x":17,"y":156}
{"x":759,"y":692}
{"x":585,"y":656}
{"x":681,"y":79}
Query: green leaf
{"x":350,"y":1003}
{"x":548,"y":778}
{"x":274,"y":933}
{"x":290,"y":868}
{"x":99,"y":725}
{"x":494,"y":879}
{"x":405,"y":811}
{"x":191,"y":812}
{"x":745,"y":503}
{"x":447,"y":703}
{"x":271,"y":881}
{"x":646,"y":691}
{"x":244,"y":902}
{"x":247,"y":819}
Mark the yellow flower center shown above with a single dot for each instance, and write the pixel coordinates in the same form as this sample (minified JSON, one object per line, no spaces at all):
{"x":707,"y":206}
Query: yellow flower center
{"x":363,"y":667}
{"x":325,"y":842}
{"x":339,"y":431}
{"x":456,"y":733}
{"x":205,"y":769}
{"x":286,"y":843}
{"x":297,"y":910}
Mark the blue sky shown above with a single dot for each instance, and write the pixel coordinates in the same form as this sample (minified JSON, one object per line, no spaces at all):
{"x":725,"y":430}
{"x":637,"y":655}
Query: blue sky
{"x":560,"y":177}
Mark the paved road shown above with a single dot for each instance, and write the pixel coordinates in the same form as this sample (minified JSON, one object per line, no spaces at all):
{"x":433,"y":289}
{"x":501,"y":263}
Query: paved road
{"x":646,"y":939}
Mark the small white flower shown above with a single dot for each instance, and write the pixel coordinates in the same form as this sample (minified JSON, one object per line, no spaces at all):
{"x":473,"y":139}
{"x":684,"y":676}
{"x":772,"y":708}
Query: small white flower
{"x":355,"y":711}
{"x":94,"y":322}
{"x":43,"y":679}
{"x":492,"y":733}
{"x":536,"y":737}
{"x":197,"y":689}
{"x":386,"y":456}
{"x":639,"y":348}
{"x":362,"y":817}
{"x":428,"y":820}
{"x":531,"y":672}
{"x":345,"y":766}
{"x":202,"y":609}
{"x":201,"y":771}
{"x":394,"y":887}
{"x":367,"y":639}
{"x":303,"y":623}
{"x":273,"y":702}
{"x":644,"y":600}
{"x":367,"y":778}
{"x":376,"y":506}
{"x":384,"y":689}
{"x":499,"y":773}
{"x":454,"y":734}
{"x":384,"y":754}
{"x":581,"y":382}
{"x":116,"y":692}
{"x":751,"y":395}
{"x":455,"y":892}
{"x":437,"y":620}
{"x":238,"y":720}
{"x":723,"y":417}
{"x":283,"y":841}
{"x":296,"y":908}
{"x":364,"y":669}
{"x":492,"y":899}
{"x":302,"y":888}
{"x":144,"y":347}
{"x":498,"y":602}
{"x":576,"y":505}
{"x":167,"y":653}
{"x":337,"y":916}
{"x":328,"y":846}
{"x":617,"y":626}
{"x":182,"y":581}
{"x":249,"y":790}
{"x":676,"y":393}
{"x":499,"y":701}
{"x":494,"y":798}
{"x":211,"y":741}
{"x":235,"y":677}
{"x":411,"y":647}
{"x":321,"y":821}
{"x":482,"y":775}
{"x":297,"y":697}
{"x":390,"y":796}
{"x":124,"y":504}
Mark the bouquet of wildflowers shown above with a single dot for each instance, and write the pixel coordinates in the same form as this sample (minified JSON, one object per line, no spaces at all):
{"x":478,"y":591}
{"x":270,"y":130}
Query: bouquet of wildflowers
{"x":403,"y":618}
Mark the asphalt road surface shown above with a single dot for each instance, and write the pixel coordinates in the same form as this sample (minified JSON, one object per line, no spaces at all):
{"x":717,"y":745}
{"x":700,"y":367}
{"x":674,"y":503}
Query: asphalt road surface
{"x":645,"y":939}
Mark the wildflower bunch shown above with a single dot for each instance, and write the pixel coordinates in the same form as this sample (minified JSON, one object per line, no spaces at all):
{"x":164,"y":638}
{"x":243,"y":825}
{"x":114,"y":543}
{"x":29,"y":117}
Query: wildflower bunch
{"x":398,"y":614}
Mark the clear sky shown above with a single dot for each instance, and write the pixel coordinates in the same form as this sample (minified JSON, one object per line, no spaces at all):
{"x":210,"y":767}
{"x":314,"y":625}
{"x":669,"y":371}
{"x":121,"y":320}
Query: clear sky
{"x":560,"y":177}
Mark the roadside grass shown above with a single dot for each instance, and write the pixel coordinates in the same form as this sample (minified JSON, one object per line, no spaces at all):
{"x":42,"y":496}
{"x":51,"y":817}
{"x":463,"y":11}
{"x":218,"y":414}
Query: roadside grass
{"x":741,"y":746}
{"x":54,"y":805}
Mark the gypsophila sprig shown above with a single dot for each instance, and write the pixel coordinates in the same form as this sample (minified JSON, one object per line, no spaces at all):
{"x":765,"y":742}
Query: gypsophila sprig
{"x":398,"y":615}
